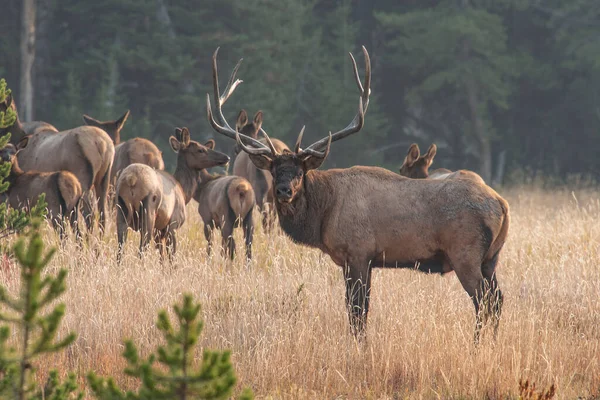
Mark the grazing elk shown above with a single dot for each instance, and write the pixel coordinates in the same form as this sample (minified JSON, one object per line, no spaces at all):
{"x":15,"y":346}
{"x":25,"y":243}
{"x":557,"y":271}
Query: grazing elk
{"x":153,"y":201}
{"x":224,"y":202}
{"x":85,"y":151}
{"x":136,"y":150}
{"x":416,"y":166}
{"x":366,"y":217}
{"x":62,"y":189}
{"x":261,"y":180}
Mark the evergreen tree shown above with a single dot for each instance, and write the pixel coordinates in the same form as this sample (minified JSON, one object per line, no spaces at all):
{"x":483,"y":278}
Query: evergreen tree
{"x":213,"y":379}
{"x":37,"y":325}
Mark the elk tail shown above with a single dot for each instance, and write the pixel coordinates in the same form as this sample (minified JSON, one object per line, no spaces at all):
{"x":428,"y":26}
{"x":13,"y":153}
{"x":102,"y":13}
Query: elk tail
{"x":492,"y":253}
{"x":241,"y":197}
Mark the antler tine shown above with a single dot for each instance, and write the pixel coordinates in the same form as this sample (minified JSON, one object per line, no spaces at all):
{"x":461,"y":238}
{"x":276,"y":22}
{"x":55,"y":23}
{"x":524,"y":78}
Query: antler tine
{"x":316,"y":153}
{"x":231,"y":85}
{"x":264,"y":151}
{"x":227,"y":131}
{"x":363,"y":103}
{"x":271,"y":146}
{"x":222,"y":126}
{"x":299,"y":140}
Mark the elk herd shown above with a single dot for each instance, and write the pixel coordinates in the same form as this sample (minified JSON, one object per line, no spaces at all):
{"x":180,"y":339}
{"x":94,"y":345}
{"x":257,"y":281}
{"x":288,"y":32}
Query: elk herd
{"x":362,"y":217}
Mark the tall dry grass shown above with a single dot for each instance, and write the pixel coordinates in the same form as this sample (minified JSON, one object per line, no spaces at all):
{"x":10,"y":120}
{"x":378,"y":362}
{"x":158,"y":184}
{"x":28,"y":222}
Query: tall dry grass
{"x":284,"y":318}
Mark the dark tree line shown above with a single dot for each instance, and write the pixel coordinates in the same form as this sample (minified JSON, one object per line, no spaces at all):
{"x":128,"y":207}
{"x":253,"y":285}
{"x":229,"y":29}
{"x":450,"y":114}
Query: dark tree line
{"x":492,"y":83}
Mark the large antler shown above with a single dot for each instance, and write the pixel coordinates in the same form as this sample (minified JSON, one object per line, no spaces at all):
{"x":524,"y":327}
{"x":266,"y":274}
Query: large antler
{"x":222,"y":126}
{"x":359,"y":119}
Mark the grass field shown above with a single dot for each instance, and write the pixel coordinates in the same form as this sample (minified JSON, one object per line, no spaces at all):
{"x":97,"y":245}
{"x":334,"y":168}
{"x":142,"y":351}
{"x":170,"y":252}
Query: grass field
{"x":284,"y":318}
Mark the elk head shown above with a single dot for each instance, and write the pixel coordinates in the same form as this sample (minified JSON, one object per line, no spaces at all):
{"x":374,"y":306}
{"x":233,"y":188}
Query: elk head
{"x":113,"y":128}
{"x":195,"y":155}
{"x":288,"y":168}
{"x":416,"y":166}
{"x":10,"y":151}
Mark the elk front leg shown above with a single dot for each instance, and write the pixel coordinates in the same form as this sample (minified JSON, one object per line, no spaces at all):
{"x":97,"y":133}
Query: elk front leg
{"x":357,"y":276}
{"x":171,"y":244}
{"x":102,"y":193}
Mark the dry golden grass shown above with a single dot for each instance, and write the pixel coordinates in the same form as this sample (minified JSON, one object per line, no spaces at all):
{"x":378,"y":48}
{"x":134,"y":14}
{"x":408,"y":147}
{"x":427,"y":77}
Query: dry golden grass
{"x":284,"y":317}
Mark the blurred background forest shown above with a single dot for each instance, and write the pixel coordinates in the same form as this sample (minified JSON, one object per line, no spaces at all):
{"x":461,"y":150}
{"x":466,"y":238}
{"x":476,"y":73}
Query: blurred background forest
{"x":500,"y":86}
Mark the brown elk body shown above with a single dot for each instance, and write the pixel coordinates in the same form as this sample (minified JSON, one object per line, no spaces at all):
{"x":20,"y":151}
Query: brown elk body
{"x":136,"y":150}
{"x":368,"y":217}
{"x":416,"y":166}
{"x":62,"y":189}
{"x":225,"y":202}
{"x":261,"y":180}
{"x":153,"y":201}
{"x":86,"y":151}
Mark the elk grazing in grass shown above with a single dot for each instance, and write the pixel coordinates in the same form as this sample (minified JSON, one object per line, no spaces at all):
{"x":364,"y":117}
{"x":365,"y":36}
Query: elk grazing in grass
{"x":136,"y":150}
{"x":416,"y":166}
{"x":153,"y":201}
{"x":85,"y":151}
{"x":62,"y":189}
{"x":368,"y":217}
{"x":225,"y":202}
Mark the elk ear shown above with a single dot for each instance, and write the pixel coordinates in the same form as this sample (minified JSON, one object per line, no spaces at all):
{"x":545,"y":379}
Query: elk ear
{"x":429,"y":156}
{"x":91,"y":121}
{"x":185,"y":137}
{"x":22,"y":143}
{"x":413,"y":155}
{"x":178,"y":133}
{"x":258,"y":120}
{"x":121,"y":121}
{"x":175,"y":144}
{"x":312,"y":162}
{"x":210,"y":144}
{"x":242,"y":120}
{"x":261,"y":161}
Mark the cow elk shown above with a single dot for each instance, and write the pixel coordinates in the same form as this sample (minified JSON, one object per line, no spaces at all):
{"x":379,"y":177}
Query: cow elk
{"x":261,"y":180}
{"x":369,"y":217}
{"x":416,"y":166}
{"x":85,"y":151}
{"x":225,"y":202}
{"x":62,"y":189}
{"x":136,"y":150}
{"x":153,"y":201}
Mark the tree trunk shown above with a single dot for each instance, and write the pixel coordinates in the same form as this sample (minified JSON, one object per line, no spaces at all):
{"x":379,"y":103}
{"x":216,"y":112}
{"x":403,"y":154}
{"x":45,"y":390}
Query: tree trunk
{"x":27,"y":58}
{"x":485,"y":147}
{"x":43,"y":59}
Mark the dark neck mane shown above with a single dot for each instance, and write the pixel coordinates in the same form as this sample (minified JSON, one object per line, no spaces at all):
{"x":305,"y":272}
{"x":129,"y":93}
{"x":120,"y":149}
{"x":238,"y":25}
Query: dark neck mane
{"x":302,"y":219}
{"x":187,"y":178}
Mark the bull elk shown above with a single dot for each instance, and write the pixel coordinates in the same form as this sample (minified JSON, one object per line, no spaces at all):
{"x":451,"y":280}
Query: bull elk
{"x":136,"y":150}
{"x":153,"y":201}
{"x":62,"y":189}
{"x":261,"y":180}
{"x":416,"y":166}
{"x":225,"y":202}
{"x":85,"y":151}
{"x":369,"y":217}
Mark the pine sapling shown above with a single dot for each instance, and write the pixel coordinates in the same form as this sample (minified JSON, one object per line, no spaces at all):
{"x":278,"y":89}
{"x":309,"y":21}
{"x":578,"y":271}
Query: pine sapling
{"x":214,"y":378}
{"x":37,"y":324}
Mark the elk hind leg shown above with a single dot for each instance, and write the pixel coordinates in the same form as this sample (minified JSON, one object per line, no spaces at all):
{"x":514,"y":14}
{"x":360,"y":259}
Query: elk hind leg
{"x":493,"y":297}
{"x":248,"y":226}
{"x":122,"y":226}
{"x":227,"y":233}
{"x":102,"y":193}
{"x":468,"y":271}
